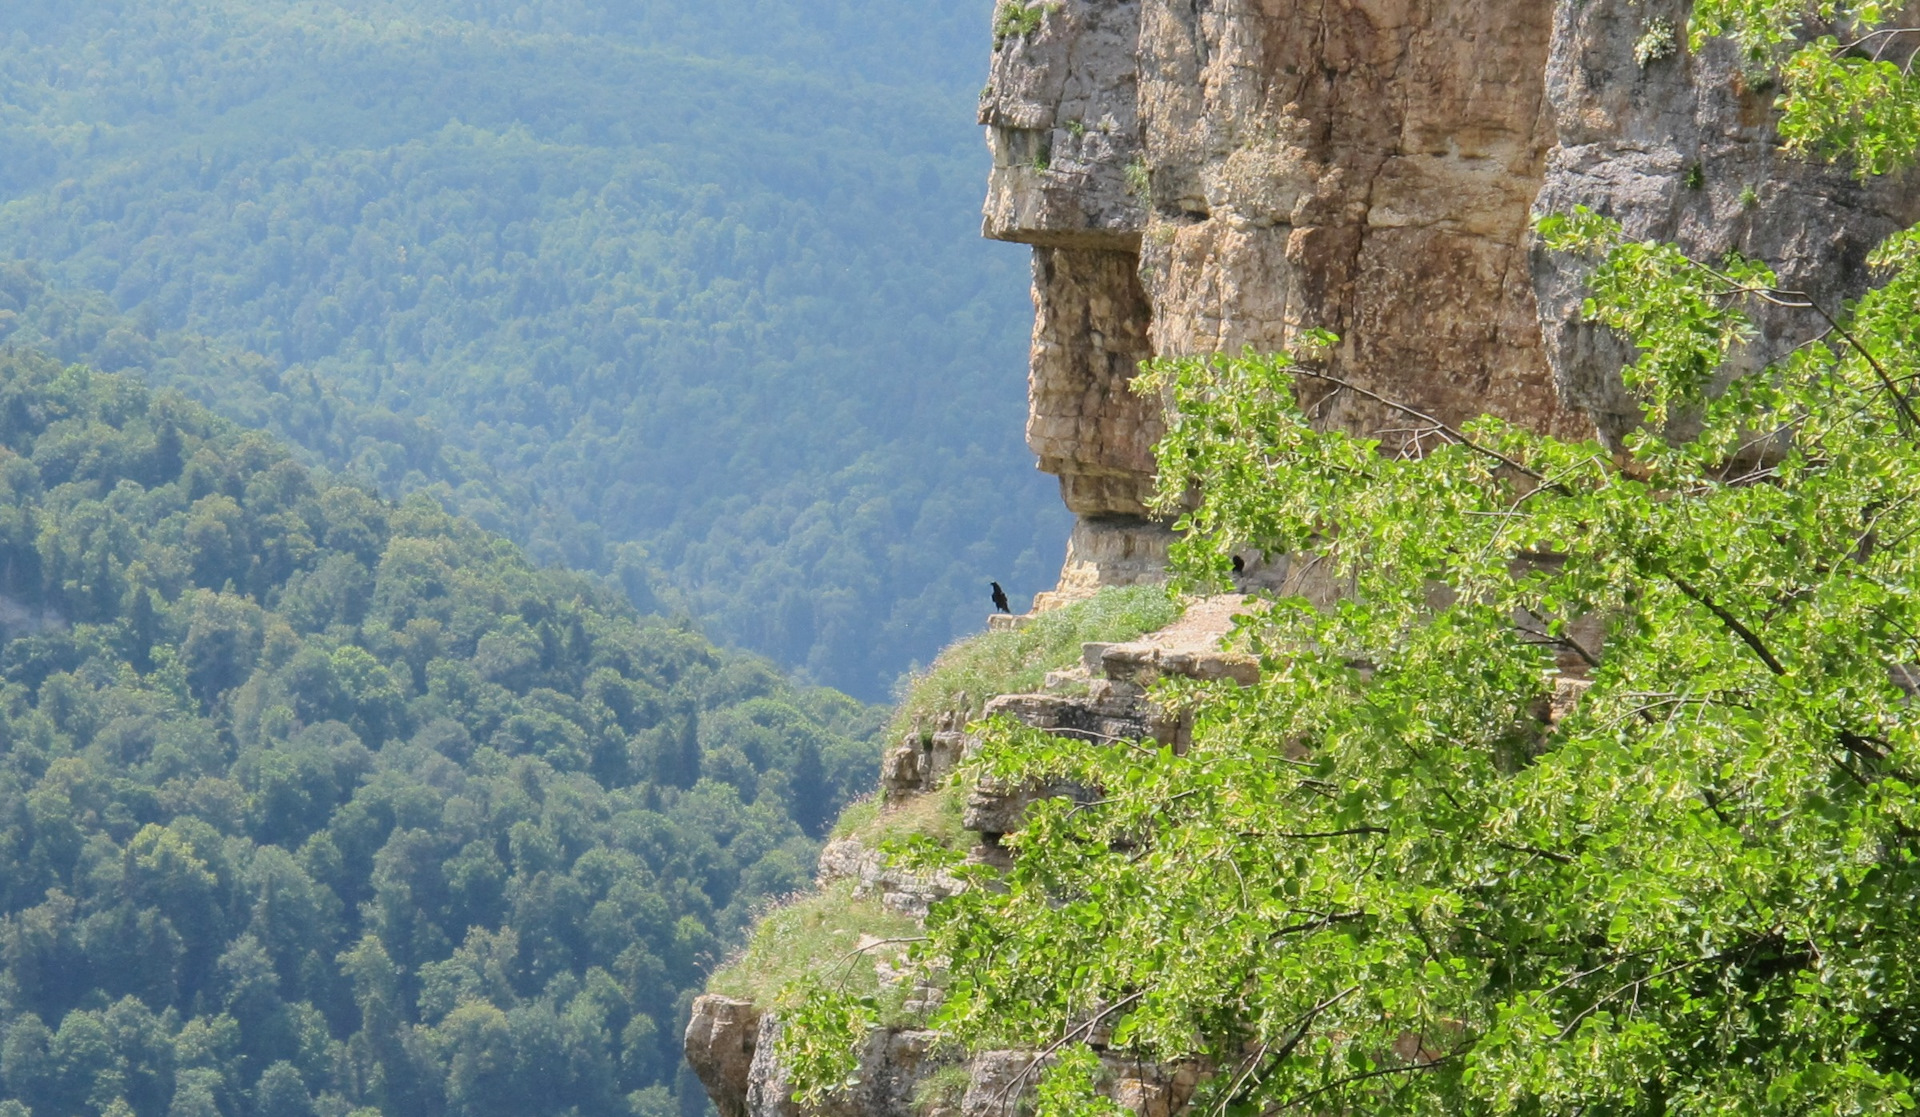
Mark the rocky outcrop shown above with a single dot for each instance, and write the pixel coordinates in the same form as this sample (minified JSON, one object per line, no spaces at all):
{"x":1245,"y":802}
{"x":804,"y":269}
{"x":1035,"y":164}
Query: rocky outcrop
{"x":1204,"y":177}
{"x":895,"y":1062}
{"x":721,"y":1041}
{"x":1000,"y":1081}
{"x":1201,"y":176}
{"x":1104,"y":699}
{"x":1683,"y":148}
{"x":873,"y":875}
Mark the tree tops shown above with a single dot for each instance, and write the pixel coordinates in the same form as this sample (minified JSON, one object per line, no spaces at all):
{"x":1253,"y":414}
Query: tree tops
{"x":313,"y":802}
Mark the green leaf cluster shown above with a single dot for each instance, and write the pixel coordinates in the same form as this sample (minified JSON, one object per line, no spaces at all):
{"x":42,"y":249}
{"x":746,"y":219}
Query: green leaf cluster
{"x":1595,"y":794}
{"x":312,"y":802}
{"x":1849,"y":87}
{"x":1597,"y":791}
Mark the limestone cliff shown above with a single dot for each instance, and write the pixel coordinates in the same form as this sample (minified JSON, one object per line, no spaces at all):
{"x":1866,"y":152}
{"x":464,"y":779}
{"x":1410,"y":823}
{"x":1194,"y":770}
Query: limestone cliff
{"x":1200,"y":176}
{"x":1204,"y":175}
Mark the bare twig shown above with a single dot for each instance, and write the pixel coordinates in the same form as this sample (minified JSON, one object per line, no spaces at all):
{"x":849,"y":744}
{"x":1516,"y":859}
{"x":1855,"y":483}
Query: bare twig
{"x":1801,"y":300}
{"x":1747,"y":635}
{"x":1268,"y":1055}
{"x":1450,"y":432}
{"x":1072,"y":1034}
{"x":1410,"y":1068}
{"x":1311,"y":835}
{"x":1533,"y":851}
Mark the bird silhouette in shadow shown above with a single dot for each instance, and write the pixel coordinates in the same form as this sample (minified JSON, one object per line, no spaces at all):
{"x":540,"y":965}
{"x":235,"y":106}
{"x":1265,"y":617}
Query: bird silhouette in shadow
{"x":1000,"y":598}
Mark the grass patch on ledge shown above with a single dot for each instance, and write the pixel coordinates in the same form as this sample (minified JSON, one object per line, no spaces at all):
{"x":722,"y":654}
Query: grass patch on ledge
{"x":1017,"y":662}
{"x":815,"y":934}
{"x":936,"y":815}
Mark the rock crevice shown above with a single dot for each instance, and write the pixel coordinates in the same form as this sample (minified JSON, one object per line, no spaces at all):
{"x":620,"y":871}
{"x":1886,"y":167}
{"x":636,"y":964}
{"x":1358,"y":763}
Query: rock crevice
{"x":1198,"y":178}
{"x":1205,"y":178}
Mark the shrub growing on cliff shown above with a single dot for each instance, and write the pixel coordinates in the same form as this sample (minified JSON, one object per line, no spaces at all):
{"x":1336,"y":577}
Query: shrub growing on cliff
{"x":1018,"y":19}
{"x":1600,"y":794}
{"x":1417,"y":870}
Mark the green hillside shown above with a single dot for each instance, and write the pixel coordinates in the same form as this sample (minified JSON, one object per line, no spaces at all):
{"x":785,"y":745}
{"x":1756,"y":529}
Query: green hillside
{"x":311,"y":802}
{"x":693,"y":292}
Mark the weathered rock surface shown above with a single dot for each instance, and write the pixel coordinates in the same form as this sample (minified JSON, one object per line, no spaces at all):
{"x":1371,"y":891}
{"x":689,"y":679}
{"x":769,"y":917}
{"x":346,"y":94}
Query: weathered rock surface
{"x":1001,"y":1084}
{"x":924,"y":759}
{"x":894,"y":1063}
{"x":1062,"y":117}
{"x":1684,"y":149}
{"x":722,"y":1036}
{"x":897,"y":889}
{"x":1202,"y":177}
{"x":1104,"y":701}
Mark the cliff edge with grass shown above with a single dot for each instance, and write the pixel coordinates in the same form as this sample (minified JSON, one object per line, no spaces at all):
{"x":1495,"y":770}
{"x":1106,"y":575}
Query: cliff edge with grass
{"x":1206,"y":178}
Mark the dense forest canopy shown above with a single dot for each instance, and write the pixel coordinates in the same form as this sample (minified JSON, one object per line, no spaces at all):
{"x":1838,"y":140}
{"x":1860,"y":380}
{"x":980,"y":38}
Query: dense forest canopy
{"x":313,"y":802}
{"x":693,"y":292}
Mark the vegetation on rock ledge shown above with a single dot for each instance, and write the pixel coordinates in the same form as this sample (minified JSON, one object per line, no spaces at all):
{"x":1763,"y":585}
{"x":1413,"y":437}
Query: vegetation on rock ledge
{"x":1625,"y":819}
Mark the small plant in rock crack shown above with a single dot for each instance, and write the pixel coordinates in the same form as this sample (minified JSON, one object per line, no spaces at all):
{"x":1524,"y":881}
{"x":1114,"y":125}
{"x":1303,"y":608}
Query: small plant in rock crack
{"x":1014,"y":18}
{"x":1139,"y":180}
{"x":1658,"y":40}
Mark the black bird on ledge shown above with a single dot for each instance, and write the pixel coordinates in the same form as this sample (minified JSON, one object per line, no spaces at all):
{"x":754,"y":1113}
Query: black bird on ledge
{"x":1000,"y":598}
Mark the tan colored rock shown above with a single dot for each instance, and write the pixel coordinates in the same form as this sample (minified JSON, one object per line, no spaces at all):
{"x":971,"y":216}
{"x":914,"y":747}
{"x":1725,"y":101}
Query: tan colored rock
{"x":1365,"y":168}
{"x":897,"y":889}
{"x":1198,"y":178}
{"x":1369,"y":167}
{"x":1003,"y":1083}
{"x":1085,"y":422}
{"x":722,"y":1036}
{"x":894,"y":1062}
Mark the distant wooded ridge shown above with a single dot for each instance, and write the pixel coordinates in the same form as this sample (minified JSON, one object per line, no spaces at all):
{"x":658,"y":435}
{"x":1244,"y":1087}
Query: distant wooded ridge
{"x":690,"y":294}
{"x":311,"y":802}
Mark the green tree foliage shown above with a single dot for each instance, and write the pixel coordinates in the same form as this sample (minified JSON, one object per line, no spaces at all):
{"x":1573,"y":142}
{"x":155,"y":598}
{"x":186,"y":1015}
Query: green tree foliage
{"x":1598,"y":794}
{"x":312,"y":801}
{"x":1850,"y":89}
{"x":687,"y":292}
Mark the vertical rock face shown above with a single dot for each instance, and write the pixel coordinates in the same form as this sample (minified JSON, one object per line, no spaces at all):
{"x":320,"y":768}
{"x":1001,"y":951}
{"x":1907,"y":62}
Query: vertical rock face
{"x":721,"y":1041}
{"x":1062,"y":114}
{"x":1683,"y":148}
{"x":1361,"y":167}
{"x":1200,"y":176}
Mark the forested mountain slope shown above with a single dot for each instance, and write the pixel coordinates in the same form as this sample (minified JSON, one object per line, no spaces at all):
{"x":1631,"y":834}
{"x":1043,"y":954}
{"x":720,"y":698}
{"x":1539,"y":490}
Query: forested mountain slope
{"x":311,"y":802}
{"x":702,"y":278}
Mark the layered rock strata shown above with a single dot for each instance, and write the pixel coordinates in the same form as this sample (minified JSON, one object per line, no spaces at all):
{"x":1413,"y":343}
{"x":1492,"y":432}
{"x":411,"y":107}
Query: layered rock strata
{"x":730,"y":1042}
{"x":1201,"y":177}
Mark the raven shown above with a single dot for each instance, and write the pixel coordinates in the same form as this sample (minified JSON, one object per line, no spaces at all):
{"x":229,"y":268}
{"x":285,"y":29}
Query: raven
{"x":1239,"y":565}
{"x":1000,"y":598}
